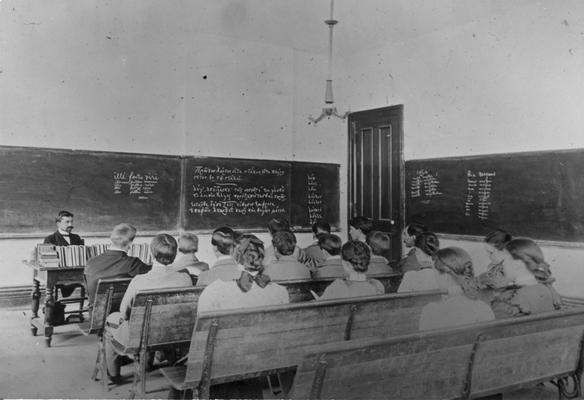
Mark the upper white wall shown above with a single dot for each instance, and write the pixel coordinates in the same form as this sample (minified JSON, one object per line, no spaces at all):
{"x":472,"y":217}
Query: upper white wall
{"x":511,"y":81}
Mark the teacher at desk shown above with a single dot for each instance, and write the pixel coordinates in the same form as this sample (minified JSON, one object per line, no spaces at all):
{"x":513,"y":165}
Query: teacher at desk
{"x":64,"y":237}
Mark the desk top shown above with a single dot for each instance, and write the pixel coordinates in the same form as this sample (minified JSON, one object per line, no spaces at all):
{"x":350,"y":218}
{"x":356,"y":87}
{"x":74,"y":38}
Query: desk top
{"x":40,"y":267}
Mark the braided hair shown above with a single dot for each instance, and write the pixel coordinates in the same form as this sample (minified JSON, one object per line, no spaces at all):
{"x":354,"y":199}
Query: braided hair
{"x":357,"y":254}
{"x":457,"y":263}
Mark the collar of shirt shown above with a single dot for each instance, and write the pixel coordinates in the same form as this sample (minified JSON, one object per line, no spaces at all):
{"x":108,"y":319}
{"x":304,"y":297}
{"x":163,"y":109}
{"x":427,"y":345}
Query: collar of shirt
{"x":224,"y":257}
{"x":64,"y":233}
{"x":291,"y":257}
{"x":157,"y":268}
{"x":337,"y":257}
{"x":357,"y":276}
{"x":112,"y":248}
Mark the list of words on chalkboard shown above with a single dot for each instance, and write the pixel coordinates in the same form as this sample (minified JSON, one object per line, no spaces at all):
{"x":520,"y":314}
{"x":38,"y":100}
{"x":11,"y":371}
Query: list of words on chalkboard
{"x":137,"y":185}
{"x":315,"y":207}
{"x":424,"y":184}
{"x":232,"y":191}
{"x":478,"y":193}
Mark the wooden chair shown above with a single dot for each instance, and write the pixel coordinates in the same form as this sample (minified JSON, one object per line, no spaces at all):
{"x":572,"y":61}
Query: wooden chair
{"x":108,"y":296}
{"x":458,"y":363}
{"x":159,"y":319}
{"x":232,"y":345}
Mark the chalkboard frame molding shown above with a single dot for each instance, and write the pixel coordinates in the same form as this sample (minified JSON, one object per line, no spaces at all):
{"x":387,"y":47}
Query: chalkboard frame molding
{"x":42,"y":235}
{"x":544,"y":243}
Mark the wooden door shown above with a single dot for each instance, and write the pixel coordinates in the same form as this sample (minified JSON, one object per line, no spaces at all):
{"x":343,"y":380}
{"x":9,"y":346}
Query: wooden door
{"x":376,"y":170}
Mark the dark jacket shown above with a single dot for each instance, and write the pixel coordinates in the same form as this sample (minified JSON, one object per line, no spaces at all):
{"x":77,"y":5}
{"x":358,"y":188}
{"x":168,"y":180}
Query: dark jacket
{"x":58,"y":240}
{"x":111,"y":264}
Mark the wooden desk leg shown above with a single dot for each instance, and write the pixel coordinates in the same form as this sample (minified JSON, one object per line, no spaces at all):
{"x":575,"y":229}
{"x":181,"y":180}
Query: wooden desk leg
{"x":36,"y":298}
{"x":49,"y":304}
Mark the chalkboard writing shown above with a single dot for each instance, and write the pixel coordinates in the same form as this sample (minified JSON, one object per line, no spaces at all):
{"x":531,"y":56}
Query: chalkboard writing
{"x":535,"y":194}
{"x":102,"y":189}
{"x":242,"y":192}
{"x":315,"y":194}
{"x":478,"y":193}
{"x":424,"y":184}
{"x":137,"y":185}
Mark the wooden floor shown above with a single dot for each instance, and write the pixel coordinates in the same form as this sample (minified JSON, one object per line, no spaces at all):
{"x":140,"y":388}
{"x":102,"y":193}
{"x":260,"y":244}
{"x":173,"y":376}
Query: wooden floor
{"x":31,"y":370}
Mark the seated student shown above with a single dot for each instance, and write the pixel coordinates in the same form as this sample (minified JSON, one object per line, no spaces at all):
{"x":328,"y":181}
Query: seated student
{"x":163,"y":248}
{"x":252,"y":289}
{"x":314,"y":251}
{"x":186,"y":259}
{"x":462,"y":305}
{"x":355,"y":258}
{"x":286,"y":266}
{"x":494,"y":277}
{"x":532,"y":291}
{"x":225,"y":268}
{"x":281,"y":224}
{"x":424,"y":276}
{"x":411,"y":232}
{"x":332,"y":266}
{"x":379,"y":243}
{"x":274,"y":225}
{"x":114,"y":262}
{"x":359,"y":228}
{"x":425,"y":245}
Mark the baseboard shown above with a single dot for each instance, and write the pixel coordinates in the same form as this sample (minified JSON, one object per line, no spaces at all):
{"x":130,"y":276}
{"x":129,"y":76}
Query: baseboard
{"x":17,"y":296}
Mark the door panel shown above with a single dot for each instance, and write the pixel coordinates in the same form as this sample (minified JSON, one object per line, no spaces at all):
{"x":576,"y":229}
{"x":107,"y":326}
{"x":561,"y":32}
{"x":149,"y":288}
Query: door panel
{"x":376,"y":170}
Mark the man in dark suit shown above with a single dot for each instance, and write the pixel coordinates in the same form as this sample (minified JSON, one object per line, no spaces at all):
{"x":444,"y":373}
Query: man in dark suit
{"x":115,"y":261}
{"x":64,"y":237}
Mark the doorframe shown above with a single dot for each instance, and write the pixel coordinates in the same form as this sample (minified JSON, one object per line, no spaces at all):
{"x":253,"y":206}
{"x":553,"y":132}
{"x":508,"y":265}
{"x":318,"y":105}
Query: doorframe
{"x":400,"y":222}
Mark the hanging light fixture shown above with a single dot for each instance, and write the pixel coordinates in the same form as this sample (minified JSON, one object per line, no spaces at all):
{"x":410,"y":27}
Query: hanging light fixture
{"x":329,"y":109}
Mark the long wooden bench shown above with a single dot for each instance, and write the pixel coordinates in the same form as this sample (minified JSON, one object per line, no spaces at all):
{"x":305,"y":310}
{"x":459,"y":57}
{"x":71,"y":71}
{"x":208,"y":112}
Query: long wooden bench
{"x":159,"y":319}
{"x":108,"y":296}
{"x":299,"y":290}
{"x":467,"y":362}
{"x":238,"y":344}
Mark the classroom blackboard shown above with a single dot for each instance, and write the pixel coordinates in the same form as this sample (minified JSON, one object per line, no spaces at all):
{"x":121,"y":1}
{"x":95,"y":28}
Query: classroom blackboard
{"x":246,"y":194}
{"x":102,"y":189}
{"x":535,"y":194}
{"x":159,"y":193}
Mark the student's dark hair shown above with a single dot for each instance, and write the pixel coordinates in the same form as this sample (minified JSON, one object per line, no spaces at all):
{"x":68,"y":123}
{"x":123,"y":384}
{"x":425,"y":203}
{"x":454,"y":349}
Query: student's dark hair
{"x":498,"y":238}
{"x":277,"y":225}
{"x":428,"y":242}
{"x":362,"y":223}
{"x":250,"y":253}
{"x":379,"y":242}
{"x":224,"y":239}
{"x":357,"y":254}
{"x":415,"y":229}
{"x":321,"y":225}
{"x":284,"y":242}
{"x":331,"y":243}
{"x":62,"y":214}
{"x":163,"y":248}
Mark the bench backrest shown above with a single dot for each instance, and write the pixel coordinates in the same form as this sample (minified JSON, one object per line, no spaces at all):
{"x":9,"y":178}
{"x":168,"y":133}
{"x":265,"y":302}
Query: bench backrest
{"x":233,"y":344}
{"x":108,"y":296}
{"x":471,"y":361}
{"x":162,"y":317}
{"x":299,"y":290}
